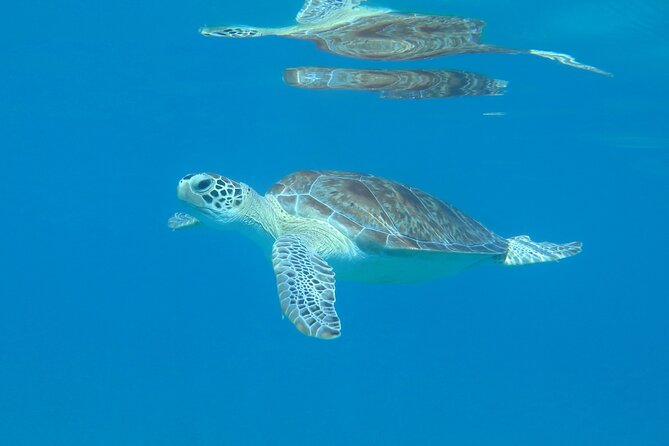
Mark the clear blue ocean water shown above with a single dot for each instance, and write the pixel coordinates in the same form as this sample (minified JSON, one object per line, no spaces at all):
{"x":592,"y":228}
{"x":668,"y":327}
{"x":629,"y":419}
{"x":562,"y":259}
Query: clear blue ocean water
{"x":115,"y":330}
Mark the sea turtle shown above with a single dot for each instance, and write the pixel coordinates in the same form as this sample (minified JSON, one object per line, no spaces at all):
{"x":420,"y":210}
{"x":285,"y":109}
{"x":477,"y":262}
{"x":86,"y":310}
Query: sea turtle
{"x":396,"y":84}
{"x":364,"y":227}
{"x":344,"y":27}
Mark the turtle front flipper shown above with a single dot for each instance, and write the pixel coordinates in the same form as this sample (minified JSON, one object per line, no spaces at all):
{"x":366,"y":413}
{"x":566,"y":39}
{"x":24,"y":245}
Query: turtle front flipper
{"x":181,"y":220}
{"x":315,"y":11}
{"x":306,"y":286}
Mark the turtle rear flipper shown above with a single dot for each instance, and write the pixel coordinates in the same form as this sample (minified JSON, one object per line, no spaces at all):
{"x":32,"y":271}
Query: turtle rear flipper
{"x":522,"y":251}
{"x":568,"y":60}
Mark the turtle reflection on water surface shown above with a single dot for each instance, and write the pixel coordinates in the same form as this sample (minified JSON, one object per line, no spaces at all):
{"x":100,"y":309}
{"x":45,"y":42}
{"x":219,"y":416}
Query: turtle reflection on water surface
{"x":345,"y":28}
{"x":396,"y":84}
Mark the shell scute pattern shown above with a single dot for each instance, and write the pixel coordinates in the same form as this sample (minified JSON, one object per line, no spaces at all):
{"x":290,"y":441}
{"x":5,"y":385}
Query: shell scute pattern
{"x":398,"y":200}
{"x":277,"y":189}
{"x":378,"y":213}
{"x":300,"y":182}
{"x":463,"y":231}
{"x":372,"y":240}
{"x":345,"y":225}
{"x":396,"y":242}
{"x":350,"y":197}
{"x":288,"y":203}
{"x":309,"y":207}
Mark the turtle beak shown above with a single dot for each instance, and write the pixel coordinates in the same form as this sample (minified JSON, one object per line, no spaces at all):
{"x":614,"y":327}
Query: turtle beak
{"x":182,"y":189}
{"x":209,"y":31}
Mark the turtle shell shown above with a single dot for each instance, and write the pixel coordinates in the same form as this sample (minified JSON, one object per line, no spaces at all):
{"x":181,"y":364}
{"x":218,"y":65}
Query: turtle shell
{"x":396,"y":84}
{"x":381,"y":214}
{"x":397,"y":36}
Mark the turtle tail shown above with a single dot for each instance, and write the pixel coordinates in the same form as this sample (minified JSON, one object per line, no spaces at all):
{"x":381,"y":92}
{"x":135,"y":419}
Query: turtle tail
{"x":522,"y":251}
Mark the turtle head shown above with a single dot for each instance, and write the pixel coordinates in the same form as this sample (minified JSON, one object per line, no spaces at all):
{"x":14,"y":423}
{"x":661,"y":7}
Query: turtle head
{"x":215,"y":197}
{"x":234,"y":32}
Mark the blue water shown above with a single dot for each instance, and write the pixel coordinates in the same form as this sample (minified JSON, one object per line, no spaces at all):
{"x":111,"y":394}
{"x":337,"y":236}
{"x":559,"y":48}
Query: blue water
{"x":115,"y":330}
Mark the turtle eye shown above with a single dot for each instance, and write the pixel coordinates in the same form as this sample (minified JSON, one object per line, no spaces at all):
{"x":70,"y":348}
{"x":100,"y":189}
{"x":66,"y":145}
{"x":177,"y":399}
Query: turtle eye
{"x":203,"y":185}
